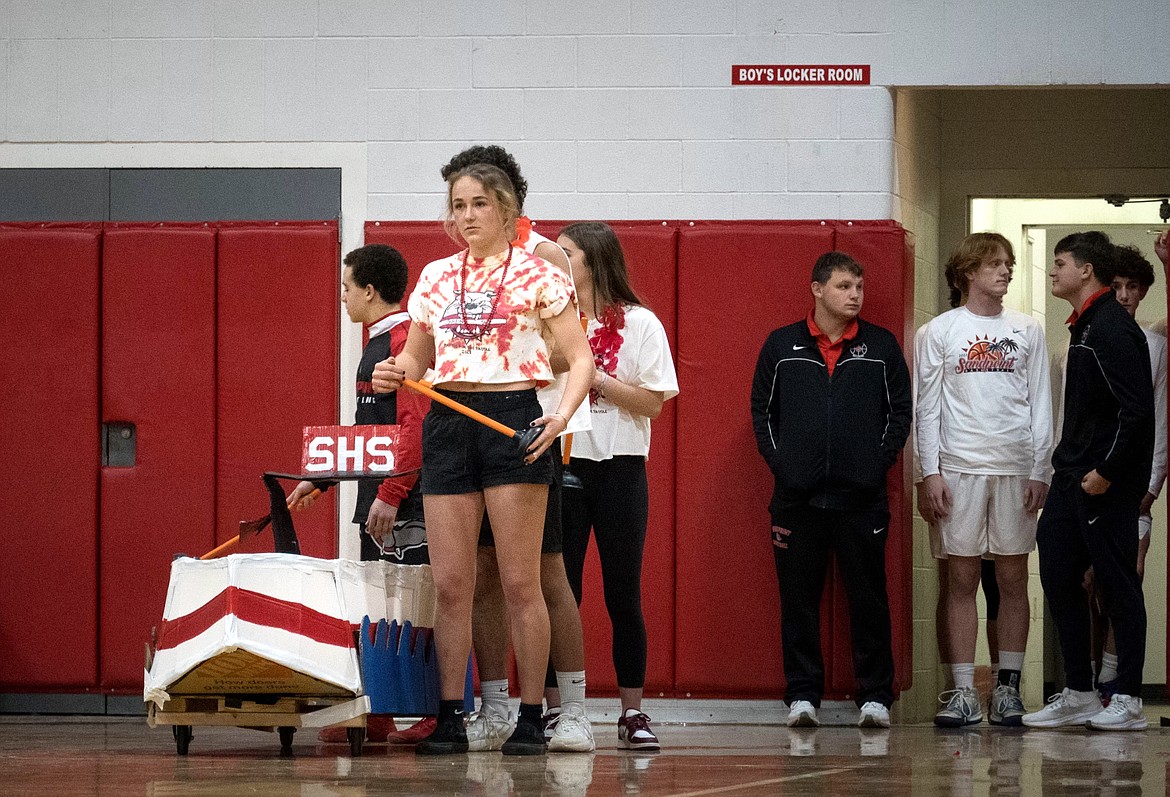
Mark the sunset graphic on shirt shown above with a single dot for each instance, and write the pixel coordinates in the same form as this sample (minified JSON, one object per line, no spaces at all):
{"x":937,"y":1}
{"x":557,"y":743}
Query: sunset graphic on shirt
{"x":988,"y":355}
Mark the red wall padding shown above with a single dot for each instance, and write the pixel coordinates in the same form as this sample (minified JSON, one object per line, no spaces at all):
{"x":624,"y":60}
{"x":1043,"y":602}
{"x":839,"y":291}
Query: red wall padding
{"x":736,"y":283}
{"x":278,"y":303}
{"x":49,"y":322}
{"x":158,"y":371}
{"x":724,"y":553}
{"x":887,"y":252}
{"x":650,"y":253}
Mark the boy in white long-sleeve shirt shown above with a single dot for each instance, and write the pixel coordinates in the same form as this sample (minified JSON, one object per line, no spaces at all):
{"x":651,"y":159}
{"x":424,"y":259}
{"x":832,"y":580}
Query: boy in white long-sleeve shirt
{"x":984,"y":437}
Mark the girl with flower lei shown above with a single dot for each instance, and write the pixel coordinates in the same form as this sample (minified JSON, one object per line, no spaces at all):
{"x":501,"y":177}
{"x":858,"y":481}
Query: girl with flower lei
{"x":634,"y":376}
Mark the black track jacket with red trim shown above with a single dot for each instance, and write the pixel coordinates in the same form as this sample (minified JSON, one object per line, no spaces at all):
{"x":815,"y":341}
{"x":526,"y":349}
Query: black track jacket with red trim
{"x":1108,"y":402}
{"x":829,"y":441}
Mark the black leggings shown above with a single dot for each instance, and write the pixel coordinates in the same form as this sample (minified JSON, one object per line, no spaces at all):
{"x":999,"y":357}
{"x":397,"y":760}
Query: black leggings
{"x":613,"y":502}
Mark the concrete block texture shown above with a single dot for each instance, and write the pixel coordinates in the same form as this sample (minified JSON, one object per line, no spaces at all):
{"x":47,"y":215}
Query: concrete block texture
{"x":576,"y":114}
{"x":524,"y":61}
{"x":840,"y":166}
{"x":340,"y":90}
{"x":480,"y":115}
{"x":372,"y":17}
{"x":574,"y":18}
{"x":136,"y":88}
{"x":619,"y":166}
{"x":237,"y":98}
{"x":289,"y":68}
{"x":629,"y":61}
{"x":725,"y":166}
{"x":392,"y":115}
{"x":55,"y":19}
{"x":682,"y":17}
{"x":426,"y":63}
{"x":233,"y":19}
{"x":185,"y":99}
{"x":469,"y":18}
{"x":84,"y":89}
{"x":777,"y":112}
{"x":149,"y":19}
{"x":32,"y":97}
{"x":707,"y":60}
{"x":680,"y":113}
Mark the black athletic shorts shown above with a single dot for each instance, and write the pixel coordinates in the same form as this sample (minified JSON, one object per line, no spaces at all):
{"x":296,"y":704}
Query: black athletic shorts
{"x":553,"y":541}
{"x":461,"y":455}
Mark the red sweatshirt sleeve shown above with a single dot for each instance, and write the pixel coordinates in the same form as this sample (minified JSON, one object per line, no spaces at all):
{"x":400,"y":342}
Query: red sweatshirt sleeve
{"x":411,"y":409}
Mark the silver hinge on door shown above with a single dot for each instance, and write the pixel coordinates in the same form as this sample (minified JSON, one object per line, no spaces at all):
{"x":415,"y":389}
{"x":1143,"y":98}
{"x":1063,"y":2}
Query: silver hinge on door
{"x":119,"y":444}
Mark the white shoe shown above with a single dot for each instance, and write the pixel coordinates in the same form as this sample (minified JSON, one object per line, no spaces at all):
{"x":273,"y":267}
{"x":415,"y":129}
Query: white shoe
{"x":1124,"y":713}
{"x":1066,"y":708}
{"x":486,"y":731}
{"x":573,"y":734}
{"x":549,"y":722}
{"x":802,"y":714}
{"x":874,"y":715}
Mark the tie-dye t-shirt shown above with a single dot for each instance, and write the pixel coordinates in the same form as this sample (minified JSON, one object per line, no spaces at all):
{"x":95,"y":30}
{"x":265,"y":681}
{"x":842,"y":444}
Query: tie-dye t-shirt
{"x":475,"y":344}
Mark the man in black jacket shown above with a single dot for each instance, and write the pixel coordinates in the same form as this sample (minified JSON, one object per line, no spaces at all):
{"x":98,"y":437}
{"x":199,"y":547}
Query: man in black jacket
{"x":831,"y":407}
{"x":1102,"y":471}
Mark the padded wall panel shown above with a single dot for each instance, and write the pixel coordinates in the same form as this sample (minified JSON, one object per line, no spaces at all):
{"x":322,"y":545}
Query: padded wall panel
{"x":278,"y":304}
{"x":737,"y":281}
{"x":887,"y":252}
{"x":49,"y":322}
{"x":158,"y":372}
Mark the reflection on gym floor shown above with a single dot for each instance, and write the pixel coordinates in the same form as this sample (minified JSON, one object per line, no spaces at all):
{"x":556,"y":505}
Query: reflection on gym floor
{"x":65,"y":755}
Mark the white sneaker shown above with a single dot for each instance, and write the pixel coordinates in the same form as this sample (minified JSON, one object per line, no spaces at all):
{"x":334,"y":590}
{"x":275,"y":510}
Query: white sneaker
{"x":486,"y":731}
{"x":1124,"y":713}
{"x":874,"y":715}
{"x":573,"y":734}
{"x":1066,"y":708}
{"x":802,"y":714}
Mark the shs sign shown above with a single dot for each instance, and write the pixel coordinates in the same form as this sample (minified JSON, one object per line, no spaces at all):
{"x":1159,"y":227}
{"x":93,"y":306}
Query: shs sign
{"x":349,"y":450}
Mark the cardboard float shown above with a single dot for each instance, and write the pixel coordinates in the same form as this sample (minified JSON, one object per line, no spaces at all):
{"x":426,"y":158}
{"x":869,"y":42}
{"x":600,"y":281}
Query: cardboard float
{"x":282,"y":641}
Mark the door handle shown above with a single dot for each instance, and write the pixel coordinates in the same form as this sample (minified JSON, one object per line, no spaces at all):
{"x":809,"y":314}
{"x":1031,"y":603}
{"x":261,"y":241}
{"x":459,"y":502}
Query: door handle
{"x":119,"y":444}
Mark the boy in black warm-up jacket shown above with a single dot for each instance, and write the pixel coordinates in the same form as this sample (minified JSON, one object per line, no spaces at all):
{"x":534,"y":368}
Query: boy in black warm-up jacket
{"x":1102,"y":470}
{"x":831,"y":408}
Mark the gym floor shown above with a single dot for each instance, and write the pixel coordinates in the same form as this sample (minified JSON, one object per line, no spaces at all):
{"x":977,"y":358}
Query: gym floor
{"x":42,"y":755}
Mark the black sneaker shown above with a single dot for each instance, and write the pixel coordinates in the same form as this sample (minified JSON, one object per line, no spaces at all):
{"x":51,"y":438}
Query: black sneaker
{"x":527,"y":739}
{"x":448,"y":738}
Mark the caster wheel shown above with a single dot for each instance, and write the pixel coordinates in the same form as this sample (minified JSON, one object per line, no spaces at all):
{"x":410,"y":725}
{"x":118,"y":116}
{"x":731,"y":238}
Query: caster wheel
{"x":356,"y":737}
{"x":286,"y":739}
{"x":183,"y":736}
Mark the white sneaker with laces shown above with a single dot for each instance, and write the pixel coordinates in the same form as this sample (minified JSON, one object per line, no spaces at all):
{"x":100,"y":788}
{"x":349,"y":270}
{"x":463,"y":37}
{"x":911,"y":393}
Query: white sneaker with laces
{"x":874,"y":715}
{"x":1066,"y":708}
{"x":1124,"y":713}
{"x":549,"y":722}
{"x":802,"y":714}
{"x":573,"y":734}
{"x":488,"y":731}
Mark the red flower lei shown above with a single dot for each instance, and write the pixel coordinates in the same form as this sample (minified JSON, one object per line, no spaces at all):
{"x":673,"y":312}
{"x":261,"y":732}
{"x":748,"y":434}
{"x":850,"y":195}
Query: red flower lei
{"x":605,"y":342}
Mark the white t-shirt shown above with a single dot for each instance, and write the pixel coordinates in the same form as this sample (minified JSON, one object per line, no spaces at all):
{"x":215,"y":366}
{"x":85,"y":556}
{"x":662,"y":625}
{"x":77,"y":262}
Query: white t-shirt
{"x":550,"y":395}
{"x":643,"y":360}
{"x":984,"y":396}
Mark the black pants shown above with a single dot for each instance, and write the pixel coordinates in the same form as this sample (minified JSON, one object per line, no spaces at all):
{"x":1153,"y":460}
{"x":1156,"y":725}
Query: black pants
{"x":614,"y":503}
{"x":802,"y":540}
{"x":1077,"y":530}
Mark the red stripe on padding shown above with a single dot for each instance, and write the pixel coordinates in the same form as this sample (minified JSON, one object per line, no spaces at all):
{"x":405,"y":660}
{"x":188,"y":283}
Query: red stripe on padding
{"x":258,"y":609}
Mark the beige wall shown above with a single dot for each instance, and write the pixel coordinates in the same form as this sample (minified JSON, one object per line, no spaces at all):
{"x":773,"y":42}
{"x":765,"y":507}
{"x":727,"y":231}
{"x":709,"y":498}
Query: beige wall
{"x":955,"y":144}
{"x":917,"y":153}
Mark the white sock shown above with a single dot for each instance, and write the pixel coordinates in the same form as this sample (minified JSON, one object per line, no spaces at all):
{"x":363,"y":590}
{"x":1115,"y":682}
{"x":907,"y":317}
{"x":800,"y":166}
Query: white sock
{"x":1108,"y":667}
{"x":572,"y":688}
{"x":963,"y":675}
{"x":493,"y":697}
